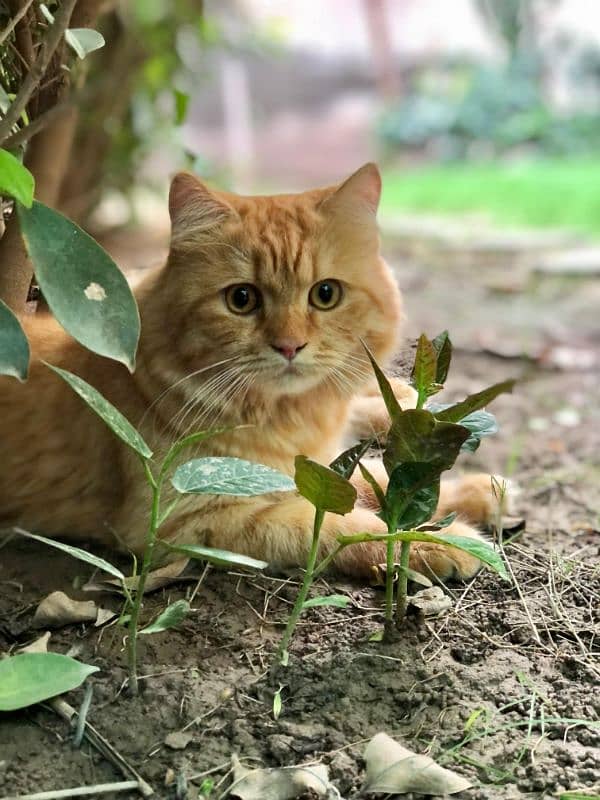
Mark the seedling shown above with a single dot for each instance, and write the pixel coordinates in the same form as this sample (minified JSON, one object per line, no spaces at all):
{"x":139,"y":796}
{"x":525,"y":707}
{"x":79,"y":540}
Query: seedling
{"x":421,"y":443}
{"x":224,"y":476}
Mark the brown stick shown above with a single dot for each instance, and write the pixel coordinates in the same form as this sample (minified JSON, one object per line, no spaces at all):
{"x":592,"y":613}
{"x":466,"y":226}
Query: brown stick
{"x":51,"y":41}
{"x":39,"y":123}
{"x":15,"y":21}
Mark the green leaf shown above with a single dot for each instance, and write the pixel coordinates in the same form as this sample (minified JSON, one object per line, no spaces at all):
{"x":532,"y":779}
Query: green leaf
{"x":32,"y":677}
{"x":389,"y":398}
{"x":231,"y":476}
{"x":476,"y":547}
{"x":474,"y":402}
{"x":424,"y":370}
{"x":83,"y":286}
{"x":75,"y":552}
{"x":479,"y":423}
{"x":443,"y":349}
{"x":439,"y":524}
{"x":377,"y":636}
{"x":579,"y":796}
{"x":346,"y":462}
{"x":14,"y":347}
{"x":15,"y":180}
{"x":416,"y":435}
{"x":377,"y":489}
{"x":182,"y":100}
{"x":337,"y":600}
{"x":84,"y":40}
{"x":215,"y":556}
{"x":323,"y":487}
{"x":412,"y":494}
{"x":106,"y":411}
{"x":171,"y":616}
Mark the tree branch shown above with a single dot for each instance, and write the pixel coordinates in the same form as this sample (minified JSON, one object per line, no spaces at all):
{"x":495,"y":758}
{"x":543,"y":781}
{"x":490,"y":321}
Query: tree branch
{"x":15,"y":21}
{"x":38,"y":124}
{"x":51,"y":41}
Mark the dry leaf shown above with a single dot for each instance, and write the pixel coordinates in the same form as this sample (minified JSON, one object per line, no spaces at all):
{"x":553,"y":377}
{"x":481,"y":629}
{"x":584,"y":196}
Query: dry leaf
{"x":430,"y":602}
{"x":57,"y":610}
{"x":104,"y":615}
{"x":285,"y":783}
{"x":157,"y":579}
{"x":178,"y":740}
{"x":39,"y":646}
{"x":392,"y":769}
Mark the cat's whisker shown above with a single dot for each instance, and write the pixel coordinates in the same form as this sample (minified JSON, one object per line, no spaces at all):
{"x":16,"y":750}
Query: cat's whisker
{"x":207,"y":394}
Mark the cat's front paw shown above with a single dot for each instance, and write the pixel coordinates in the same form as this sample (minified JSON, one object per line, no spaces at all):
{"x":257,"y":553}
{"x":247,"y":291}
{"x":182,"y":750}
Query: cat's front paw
{"x":445,"y":562}
{"x":479,"y":498}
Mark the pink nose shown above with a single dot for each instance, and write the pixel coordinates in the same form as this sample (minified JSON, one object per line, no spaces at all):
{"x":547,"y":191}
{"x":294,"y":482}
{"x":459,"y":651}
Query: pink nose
{"x":289,"y":348}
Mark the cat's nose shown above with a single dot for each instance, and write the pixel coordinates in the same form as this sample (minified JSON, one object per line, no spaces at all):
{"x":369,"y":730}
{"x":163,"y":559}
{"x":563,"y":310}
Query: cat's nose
{"x":289,"y":348}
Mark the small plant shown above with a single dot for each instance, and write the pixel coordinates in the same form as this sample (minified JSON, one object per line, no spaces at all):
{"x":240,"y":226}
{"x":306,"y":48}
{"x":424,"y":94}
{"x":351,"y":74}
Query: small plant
{"x":421,"y":443}
{"x":223,"y":476}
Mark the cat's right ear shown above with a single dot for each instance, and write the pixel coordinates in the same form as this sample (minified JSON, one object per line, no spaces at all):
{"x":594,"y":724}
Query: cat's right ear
{"x":194,"y":209}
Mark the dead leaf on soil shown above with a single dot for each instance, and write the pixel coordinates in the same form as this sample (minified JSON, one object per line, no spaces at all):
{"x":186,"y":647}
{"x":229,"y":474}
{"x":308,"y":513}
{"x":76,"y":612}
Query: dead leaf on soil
{"x":392,"y":769}
{"x":58,"y":609}
{"x":430,"y":602}
{"x":40,"y":645}
{"x":157,"y":579}
{"x":178,"y":740}
{"x":285,"y":783}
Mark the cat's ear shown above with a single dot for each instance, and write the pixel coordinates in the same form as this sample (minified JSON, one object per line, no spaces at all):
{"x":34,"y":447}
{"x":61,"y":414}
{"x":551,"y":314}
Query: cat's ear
{"x":194,"y":209}
{"x":360,"y":193}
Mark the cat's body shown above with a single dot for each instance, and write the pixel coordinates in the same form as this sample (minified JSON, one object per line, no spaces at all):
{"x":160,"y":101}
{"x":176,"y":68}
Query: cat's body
{"x":254,"y":321}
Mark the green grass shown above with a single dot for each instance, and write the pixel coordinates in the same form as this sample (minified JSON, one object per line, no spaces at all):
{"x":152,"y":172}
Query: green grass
{"x":550,"y":193}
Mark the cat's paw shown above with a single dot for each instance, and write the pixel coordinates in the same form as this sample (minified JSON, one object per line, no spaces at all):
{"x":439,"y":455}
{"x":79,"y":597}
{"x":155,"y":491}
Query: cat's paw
{"x":405,"y":394}
{"x":443,"y":562}
{"x":479,"y":498}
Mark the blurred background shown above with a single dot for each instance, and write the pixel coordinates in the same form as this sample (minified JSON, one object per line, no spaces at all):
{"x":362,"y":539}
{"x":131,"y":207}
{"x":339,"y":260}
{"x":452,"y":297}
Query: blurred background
{"x":490,"y":106}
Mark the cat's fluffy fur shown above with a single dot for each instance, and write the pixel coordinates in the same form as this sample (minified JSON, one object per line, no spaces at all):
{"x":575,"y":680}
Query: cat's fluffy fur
{"x":63,"y":473}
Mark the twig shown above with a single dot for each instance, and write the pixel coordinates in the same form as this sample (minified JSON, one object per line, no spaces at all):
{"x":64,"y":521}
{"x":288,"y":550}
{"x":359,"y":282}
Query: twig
{"x":67,"y":712}
{"x":51,"y":41}
{"x":15,"y":21}
{"x":79,"y":791}
{"x":38,"y":124}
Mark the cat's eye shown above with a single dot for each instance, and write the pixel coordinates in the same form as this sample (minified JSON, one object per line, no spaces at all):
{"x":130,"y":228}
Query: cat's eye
{"x":325,"y":295}
{"x":242,"y":298}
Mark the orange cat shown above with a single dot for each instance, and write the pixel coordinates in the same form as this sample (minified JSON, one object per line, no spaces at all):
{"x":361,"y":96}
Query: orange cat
{"x":255,"y":319}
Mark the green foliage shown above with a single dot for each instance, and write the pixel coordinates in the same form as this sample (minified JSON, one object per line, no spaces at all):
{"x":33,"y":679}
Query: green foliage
{"x":171,"y":616}
{"x":346,"y":462}
{"x":412,"y":495}
{"x":15,"y":180}
{"x":14,"y":347}
{"x":84,"y":288}
{"x":474,"y":402}
{"x":418,"y":436}
{"x":222,"y":558}
{"x":326,"y":489}
{"x":32,"y":677}
{"x":76,"y":552}
{"x":229,"y":476}
{"x":113,"y":418}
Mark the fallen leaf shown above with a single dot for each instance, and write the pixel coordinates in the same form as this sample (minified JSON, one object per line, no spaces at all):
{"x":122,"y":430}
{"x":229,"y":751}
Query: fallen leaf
{"x":104,"y":615}
{"x":157,"y":579}
{"x":430,"y":602}
{"x":393,"y":769}
{"x":58,"y":609}
{"x":285,"y":783}
{"x":178,"y":740}
{"x":40,"y":645}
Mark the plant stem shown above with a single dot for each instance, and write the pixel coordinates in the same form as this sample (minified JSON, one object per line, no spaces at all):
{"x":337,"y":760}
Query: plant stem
{"x":139,"y":595}
{"x":402,"y":584}
{"x":389,"y":589}
{"x":306,"y":584}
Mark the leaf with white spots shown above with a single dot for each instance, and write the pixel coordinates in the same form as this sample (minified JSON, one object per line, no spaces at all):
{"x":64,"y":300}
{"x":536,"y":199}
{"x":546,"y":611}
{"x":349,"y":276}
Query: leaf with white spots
{"x":229,"y":476}
{"x":106,"y":411}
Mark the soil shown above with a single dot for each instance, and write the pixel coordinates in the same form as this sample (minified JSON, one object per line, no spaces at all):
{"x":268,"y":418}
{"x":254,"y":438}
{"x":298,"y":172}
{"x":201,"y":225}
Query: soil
{"x":502,"y":688}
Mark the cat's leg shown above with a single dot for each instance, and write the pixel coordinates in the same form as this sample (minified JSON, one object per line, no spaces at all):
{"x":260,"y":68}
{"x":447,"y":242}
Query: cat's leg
{"x":472,"y":497}
{"x":368,"y":414}
{"x":281,"y":534}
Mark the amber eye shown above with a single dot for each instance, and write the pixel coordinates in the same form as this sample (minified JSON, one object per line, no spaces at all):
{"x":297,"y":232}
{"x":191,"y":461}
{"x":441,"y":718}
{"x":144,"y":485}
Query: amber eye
{"x":242,"y":298}
{"x":325,"y":294}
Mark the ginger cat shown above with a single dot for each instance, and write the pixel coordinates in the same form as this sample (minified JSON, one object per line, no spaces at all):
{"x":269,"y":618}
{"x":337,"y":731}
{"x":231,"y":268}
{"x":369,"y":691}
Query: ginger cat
{"x":255,"y":319}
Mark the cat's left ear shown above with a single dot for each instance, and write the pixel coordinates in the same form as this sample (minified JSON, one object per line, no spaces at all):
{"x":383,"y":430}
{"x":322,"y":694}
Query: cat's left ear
{"x":193,"y":207}
{"x":360,"y":192}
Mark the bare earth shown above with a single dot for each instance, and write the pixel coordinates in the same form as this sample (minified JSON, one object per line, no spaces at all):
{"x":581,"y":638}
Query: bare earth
{"x":502,"y":688}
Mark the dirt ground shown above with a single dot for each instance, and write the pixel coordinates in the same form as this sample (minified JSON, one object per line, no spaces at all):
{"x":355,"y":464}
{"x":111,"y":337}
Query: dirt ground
{"x":503,"y":688}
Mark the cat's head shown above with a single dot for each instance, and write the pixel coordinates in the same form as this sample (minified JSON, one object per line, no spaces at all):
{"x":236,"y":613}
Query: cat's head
{"x":285,"y":285}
